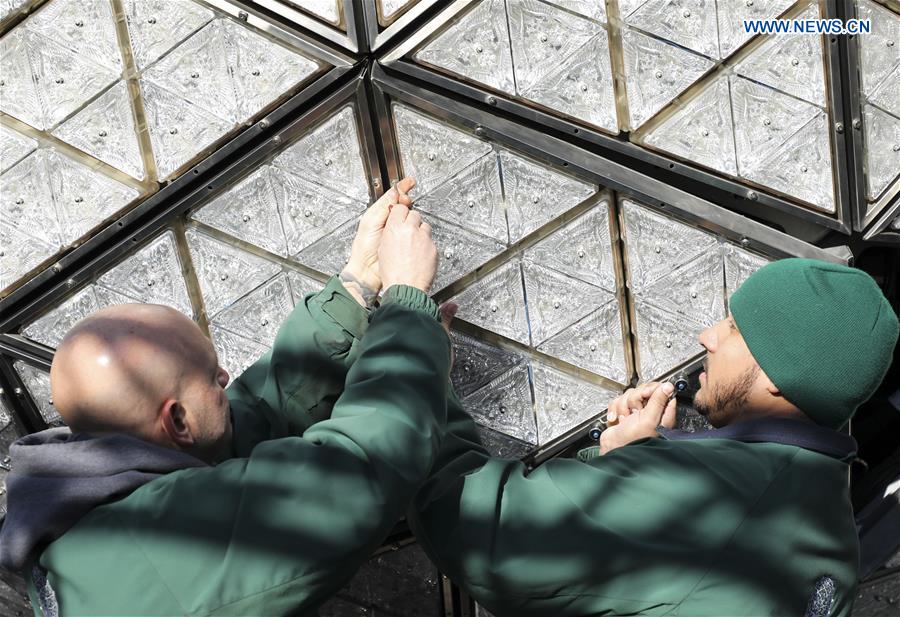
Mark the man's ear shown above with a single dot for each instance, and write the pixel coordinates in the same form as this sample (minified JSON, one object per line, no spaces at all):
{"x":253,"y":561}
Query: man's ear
{"x":174,"y":423}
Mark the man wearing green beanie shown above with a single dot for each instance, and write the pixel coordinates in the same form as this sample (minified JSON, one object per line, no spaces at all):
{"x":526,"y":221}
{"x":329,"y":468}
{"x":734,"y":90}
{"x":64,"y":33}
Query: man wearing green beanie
{"x":750,"y":518}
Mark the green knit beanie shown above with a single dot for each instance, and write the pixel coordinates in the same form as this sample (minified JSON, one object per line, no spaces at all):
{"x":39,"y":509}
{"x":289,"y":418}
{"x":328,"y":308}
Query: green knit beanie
{"x":822,"y":332}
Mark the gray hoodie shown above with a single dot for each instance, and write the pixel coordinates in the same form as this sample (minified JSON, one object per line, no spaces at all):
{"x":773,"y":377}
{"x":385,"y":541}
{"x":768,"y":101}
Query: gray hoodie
{"x":58,"y":477}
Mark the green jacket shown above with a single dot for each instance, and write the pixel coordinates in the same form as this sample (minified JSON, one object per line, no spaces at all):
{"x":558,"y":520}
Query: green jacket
{"x":280,"y":529}
{"x":716,"y":527}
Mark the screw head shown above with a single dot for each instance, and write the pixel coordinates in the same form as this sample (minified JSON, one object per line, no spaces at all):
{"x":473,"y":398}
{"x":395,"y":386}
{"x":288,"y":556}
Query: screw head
{"x":151,"y":20}
{"x":242,"y":15}
{"x":307,"y":213}
{"x":752,"y":195}
{"x":195,"y":75}
{"x":839,"y":127}
{"x":494,"y":308}
{"x":857,"y":123}
{"x":479,"y":131}
{"x":263,"y":124}
{"x":745,"y":241}
{"x":491,"y":100}
{"x":276,"y":139}
{"x":102,"y":134}
{"x":59,"y":80}
{"x":79,"y":199}
{"x":255,"y":72}
{"x":79,"y":23}
{"x":246,"y":218}
{"x":173,"y":131}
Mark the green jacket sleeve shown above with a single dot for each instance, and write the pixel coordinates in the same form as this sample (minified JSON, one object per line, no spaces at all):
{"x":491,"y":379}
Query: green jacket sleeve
{"x":280,"y":531}
{"x":296,"y":383}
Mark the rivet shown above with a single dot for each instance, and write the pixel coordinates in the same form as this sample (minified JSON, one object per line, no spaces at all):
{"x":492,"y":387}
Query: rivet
{"x":263,"y":124}
{"x":493,"y":308}
{"x":839,"y":127}
{"x":276,"y":139}
{"x":745,"y":241}
{"x":79,"y":199}
{"x":479,"y":49}
{"x":804,"y":168}
{"x":70,"y":283}
{"x":79,"y":23}
{"x":694,"y":294}
{"x":242,"y":15}
{"x":376,"y":183}
{"x":890,"y":43}
{"x":102,"y":133}
{"x":491,"y":100}
{"x":659,"y":74}
{"x":59,"y":80}
{"x":150,"y":283}
{"x":896,"y":148}
{"x":795,"y":61}
{"x":593,"y":347}
{"x":502,"y":409}
{"x":246,"y":218}
{"x":223,"y":277}
{"x":705,"y":132}
{"x":563,"y":406}
{"x":580,"y":254}
{"x":556,"y":304}
{"x":749,"y":2}
{"x":687,"y":13}
{"x":195,"y":75}
{"x":20,"y":201}
{"x":328,"y":162}
{"x":752,"y":195}
{"x":584,"y":87}
{"x":255,"y":72}
{"x":151,"y":20}
{"x":479,"y":131}
{"x":265,"y":321}
{"x":18,"y":392}
{"x":857,"y":124}
{"x":307,"y":213}
{"x":173,"y":131}
{"x":431,"y":156}
{"x":50,"y":400}
{"x":766,"y":121}
{"x":57,"y":268}
{"x":668,"y":344}
{"x":658,"y":250}
{"x":448,"y":254}
{"x":543,"y":38}
{"x":535,"y":199}
{"x":471,"y":203}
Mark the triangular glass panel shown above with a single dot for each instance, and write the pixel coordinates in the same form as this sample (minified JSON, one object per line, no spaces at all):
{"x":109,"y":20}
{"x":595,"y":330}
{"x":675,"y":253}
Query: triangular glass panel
{"x":500,"y":445}
{"x":504,"y":405}
{"x":664,"y":340}
{"x":655,"y":73}
{"x":20,"y":92}
{"x":152,"y":275}
{"x":765,"y":119}
{"x":302,"y":285}
{"x":14,"y":147}
{"x":51,"y":327}
{"x":430,"y":151}
{"x":627,"y":7}
{"x":556,"y":301}
{"x":19,"y":253}
{"x":326,"y":9}
{"x":28,"y":198}
{"x":791,"y":63}
{"x":581,"y":85}
{"x":236,"y":353}
{"x":472,"y":199}
{"x":331,"y":156}
{"x":248,"y":211}
{"x":105,"y":129}
{"x":156,"y":26}
{"x":563,"y":402}
{"x":656,"y":245}
{"x":739,"y":265}
{"x":701,"y":130}
{"x":476,"y":47}
{"x":225,"y":273}
{"x":542,"y":37}
{"x":887,"y":95}
{"x":459,"y":251}
{"x":589,"y":8}
{"x":689,"y":23}
{"x":878,"y":48}
{"x":694,"y":290}
{"x":477,"y":363}
{"x":733,"y":13}
{"x":882,"y":132}
{"x":536,"y":194}
{"x":259,"y":314}
{"x":87,"y":27}
{"x":83,"y":197}
{"x":329,"y":255}
{"x":37,"y":382}
{"x":581,"y":249}
{"x":179,"y":131}
{"x":594,"y":343}
{"x":389,"y":7}
{"x":497,"y":303}
{"x":802,"y":166}
{"x":108,"y":297}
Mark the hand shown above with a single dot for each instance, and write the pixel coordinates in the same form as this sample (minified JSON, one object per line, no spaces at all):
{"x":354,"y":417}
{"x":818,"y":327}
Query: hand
{"x":407,"y":255}
{"x":638,"y":422}
{"x":363,"y":262}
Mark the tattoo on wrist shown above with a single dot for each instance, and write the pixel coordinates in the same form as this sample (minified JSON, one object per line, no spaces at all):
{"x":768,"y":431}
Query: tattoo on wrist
{"x":367,"y":292}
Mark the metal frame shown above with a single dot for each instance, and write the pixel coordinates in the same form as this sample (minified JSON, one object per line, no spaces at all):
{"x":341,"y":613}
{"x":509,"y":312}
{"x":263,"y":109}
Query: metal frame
{"x":20,"y":398}
{"x":350,"y":37}
{"x":751,"y":201}
{"x":380,"y":36}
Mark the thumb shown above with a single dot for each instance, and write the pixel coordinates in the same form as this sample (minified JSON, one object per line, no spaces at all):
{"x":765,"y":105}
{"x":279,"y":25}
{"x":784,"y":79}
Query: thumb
{"x":656,"y":406}
{"x":448,"y":312}
{"x":670,"y":415}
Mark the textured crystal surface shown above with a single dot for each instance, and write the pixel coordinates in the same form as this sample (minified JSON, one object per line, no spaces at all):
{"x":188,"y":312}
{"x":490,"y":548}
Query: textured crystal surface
{"x":27,"y":198}
{"x":156,"y":26}
{"x":664,"y":340}
{"x":701,"y":130}
{"x":500,"y":445}
{"x":504,"y":405}
{"x":594,"y":343}
{"x":37,"y":382}
{"x":497,"y":303}
{"x":87,"y":27}
{"x":302,"y":285}
{"x":882,"y":132}
{"x":459,"y":251}
{"x":766,"y":119}
{"x":19,"y":92}
{"x":179,"y":131}
{"x":589,"y":8}
{"x":50,"y":328}
{"x":791,"y":63}
{"x":472,"y":199}
{"x":581,"y":249}
{"x":477,"y":363}
{"x":887,"y":95}
{"x":732,"y":14}
{"x":389,"y":7}
{"x":556,"y":301}
{"x":13,"y":147}
{"x":656,"y":245}
{"x":236,"y":353}
{"x":329,"y":255}
{"x":536,"y":194}
{"x":878,"y":48}
{"x":105,"y":129}
{"x":563,"y":402}
{"x":225,"y":273}
{"x":331,"y":156}
{"x":430,"y":151}
{"x":739,"y":265}
{"x":655,"y":73}
{"x":689,"y":23}
{"x":476,"y":47}
{"x":258,"y":315}
{"x":801,"y":166}
{"x":543,"y":37}
{"x":326,"y":9}
{"x":19,"y":253}
{"x":151,"y":275}
{"x":694,"y":290}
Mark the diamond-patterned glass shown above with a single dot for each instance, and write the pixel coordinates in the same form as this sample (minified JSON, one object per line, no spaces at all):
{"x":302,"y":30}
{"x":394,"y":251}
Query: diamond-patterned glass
{"x":459,"y":252}
{"x":13,"y":147}
{"x":37,"y":382}
{"x":504,"y":405}
{"x":496,"y":303}
{"x":563,"y":402}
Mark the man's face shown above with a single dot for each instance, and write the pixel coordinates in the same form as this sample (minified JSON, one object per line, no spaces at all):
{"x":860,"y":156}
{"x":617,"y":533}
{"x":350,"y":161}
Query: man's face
{"x":730,"y":372}
{"x":204,"y":398}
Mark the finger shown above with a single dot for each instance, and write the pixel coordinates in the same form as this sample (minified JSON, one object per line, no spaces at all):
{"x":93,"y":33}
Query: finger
{"x":426,"y":228}
{"x":398,"y":214}
{"x":656,"y":406}
{"x":413,"y":218}
{"x":448,"y":312}
{"x":648,"y":388}
{"x":670,"y":415}
{"x":406,"y":184}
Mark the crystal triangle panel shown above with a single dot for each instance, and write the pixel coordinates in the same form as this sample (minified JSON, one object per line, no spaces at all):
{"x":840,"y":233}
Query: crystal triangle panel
{"x":107,"y":297}
{"x":497,"y":303}
{"x":20,"y":253}
{"x":37,"y":382}
{"x":477,"y":363}
{"x":701,"y":130}
{"x":236,"y":353}
{"x":331,"y":156}
{"x":472,"y":199}
{"x":731,"y":16}
{"x":476,"y":47}
{"x":594,"y":343}
{"x":536,"y":194}
{"x":581,"y":249}
{"x":656,"y":245}
{"x":459,"y":251}
{"x":87,"y":27}
{"x":430,"y":151}
{"x":563,"y":402}
{"x":500,"y":445}
{"x":156,"y":26}
{"x":791,"y":63}
{"x":739,"y":265}
{"x":259,"y":314}
{"x":556,"y":301}
{"x":51,"y":327}
{"x":882,"y":132}
{"x":19,"y":90}
{"x":248,"y":211}
{"x":326,"y":9}
{"x":105,"y":130}
{"x":504,"y":405}
{"x":694,"y":291}
{"x":878,"y":49}
{"x":152,"y":275}
{"x":664,"y":340}
{"x":689,"y":23}
{"x":225,"y":273}
{"x":887,"y":95}
{"x":329,"y":255}
{"x":582,"y":86}
{"x":655,"y":73}
{"x":302,"y":285}
{"x":27,"y":198}
{"x":589,"y":8}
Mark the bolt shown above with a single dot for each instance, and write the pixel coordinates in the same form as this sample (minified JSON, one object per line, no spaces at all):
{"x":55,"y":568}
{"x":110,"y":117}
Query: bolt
{"x":479,"y":131}
{"x":70,"y":283}
{"x":263,"y":124}
{"x":376,"y":183}
{"x":276,"y":139}
{"x":152,"y":20}
{"x":102,"y":133}
{"x":857,"y":123}
{"x":242,"y":15}
{"x":57,"y":268}
{"x":745,"y":241}
{"x":839,"y":127}
{"x":18,"y":392}
{"x":752,"y":195}
{"x":195,"y":75}
{"x":491,"y":100}
{"x":79,"y":23}
{"x":255,"y":72}
{"x":60,"y":80}
{"x":173,"y":131}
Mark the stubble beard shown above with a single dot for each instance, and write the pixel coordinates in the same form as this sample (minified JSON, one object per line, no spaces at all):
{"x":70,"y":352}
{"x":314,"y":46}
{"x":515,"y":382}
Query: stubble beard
{"x":728,"y":399}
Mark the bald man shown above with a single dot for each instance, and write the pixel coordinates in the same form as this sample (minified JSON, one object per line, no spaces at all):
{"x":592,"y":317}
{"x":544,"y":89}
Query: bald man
{"x":172,"y":495}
